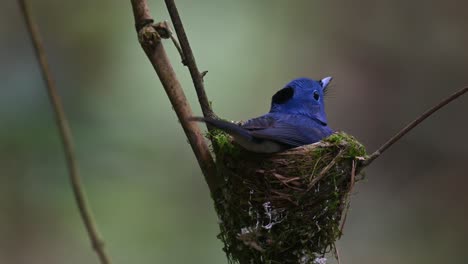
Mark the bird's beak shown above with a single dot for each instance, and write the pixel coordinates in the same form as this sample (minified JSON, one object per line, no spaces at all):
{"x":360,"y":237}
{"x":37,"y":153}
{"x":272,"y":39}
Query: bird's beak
{"x":325,"y":81}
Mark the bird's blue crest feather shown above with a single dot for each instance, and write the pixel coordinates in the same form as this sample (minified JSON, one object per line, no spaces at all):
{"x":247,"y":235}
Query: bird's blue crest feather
{"x":307,"y":99}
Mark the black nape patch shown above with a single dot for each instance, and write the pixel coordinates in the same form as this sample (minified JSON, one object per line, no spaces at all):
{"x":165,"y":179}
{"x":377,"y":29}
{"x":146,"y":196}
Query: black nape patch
{"x":283,"y":95}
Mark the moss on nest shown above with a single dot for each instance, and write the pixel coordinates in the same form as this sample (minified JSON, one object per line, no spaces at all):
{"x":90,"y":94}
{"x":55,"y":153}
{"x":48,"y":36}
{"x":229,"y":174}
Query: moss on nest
{"x":284,"y":207}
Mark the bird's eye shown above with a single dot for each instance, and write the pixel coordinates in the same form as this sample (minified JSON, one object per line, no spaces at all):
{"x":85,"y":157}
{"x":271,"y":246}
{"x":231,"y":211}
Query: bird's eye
{"x":316,"y":95}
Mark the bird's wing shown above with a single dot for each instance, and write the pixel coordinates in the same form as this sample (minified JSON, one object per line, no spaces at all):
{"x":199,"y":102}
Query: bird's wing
{"x":286,"y":130}
{"x":259,"y":123}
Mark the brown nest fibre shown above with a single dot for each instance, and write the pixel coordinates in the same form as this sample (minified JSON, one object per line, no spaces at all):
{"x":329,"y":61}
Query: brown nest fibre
{"x":285,"y":207}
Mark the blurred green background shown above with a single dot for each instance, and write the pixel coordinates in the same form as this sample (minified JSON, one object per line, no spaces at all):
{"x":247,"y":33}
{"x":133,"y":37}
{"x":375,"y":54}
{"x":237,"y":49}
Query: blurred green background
{"x":390,"y":60}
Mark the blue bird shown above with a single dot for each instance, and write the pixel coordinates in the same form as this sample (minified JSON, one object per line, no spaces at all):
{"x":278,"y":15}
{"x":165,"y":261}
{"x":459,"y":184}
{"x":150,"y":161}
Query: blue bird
{"x":296,"y":117}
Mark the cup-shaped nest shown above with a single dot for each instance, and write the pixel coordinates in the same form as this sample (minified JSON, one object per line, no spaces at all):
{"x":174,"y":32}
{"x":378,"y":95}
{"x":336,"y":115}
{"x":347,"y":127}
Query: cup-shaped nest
{"x":285,"y":207}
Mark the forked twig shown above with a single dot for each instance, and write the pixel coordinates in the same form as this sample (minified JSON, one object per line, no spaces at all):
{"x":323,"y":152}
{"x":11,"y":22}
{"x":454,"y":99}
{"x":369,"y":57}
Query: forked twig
{"x":65,"y":135}
{"x":157,"y":55}
{"x":412,"y":125}
{"x":189,"y":59}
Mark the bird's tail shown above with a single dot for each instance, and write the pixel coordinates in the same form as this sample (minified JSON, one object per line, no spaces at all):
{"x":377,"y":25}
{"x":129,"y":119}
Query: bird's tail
{"x":229,"y":127}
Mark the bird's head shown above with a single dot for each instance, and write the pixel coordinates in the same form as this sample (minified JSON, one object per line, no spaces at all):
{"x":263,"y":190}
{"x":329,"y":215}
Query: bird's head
{"x":302,"y":96}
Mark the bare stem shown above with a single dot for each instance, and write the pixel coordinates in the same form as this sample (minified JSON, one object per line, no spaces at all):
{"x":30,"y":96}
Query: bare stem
{"x":412,"y":125}
{"x":337,"y":253}
{"x":65,"y":135}
{"x":175,"y":41}
{"x":189,"y":59}
{"x":156,"y":53}
{"x":345,"y":210}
